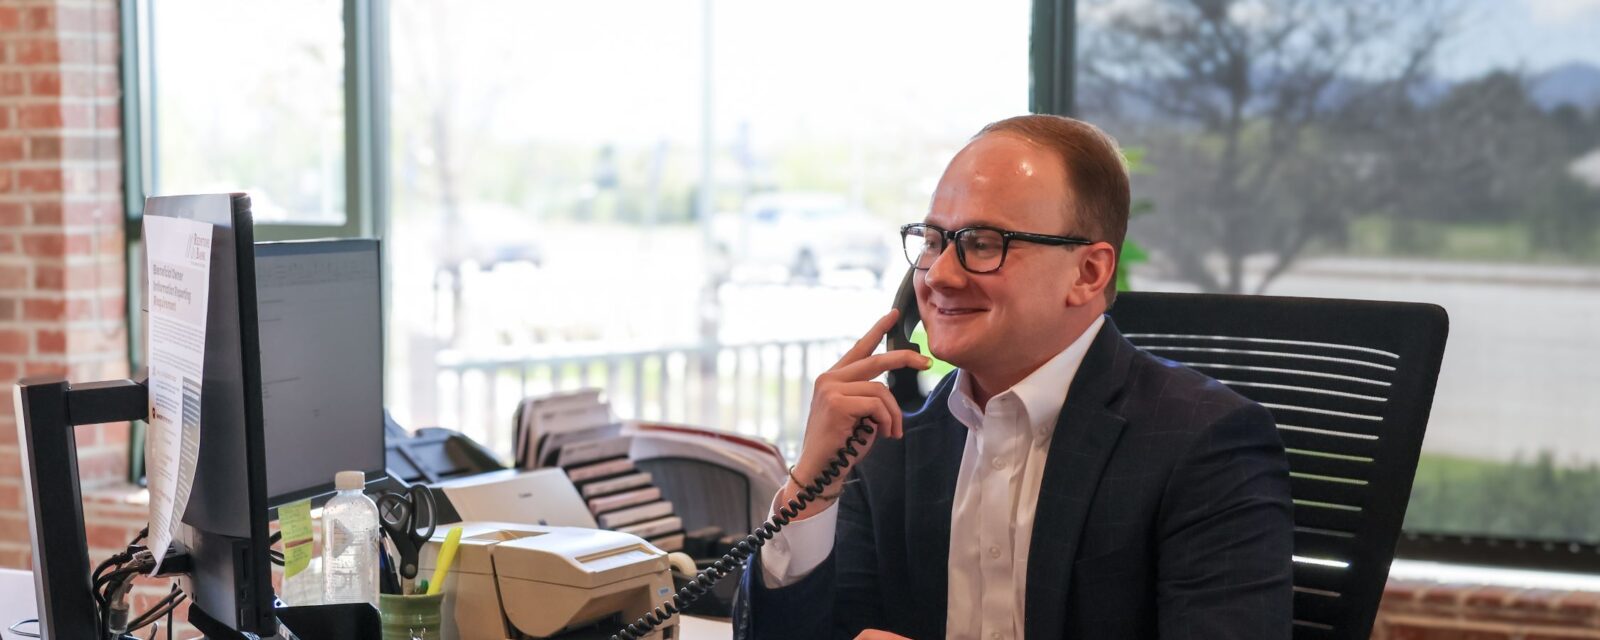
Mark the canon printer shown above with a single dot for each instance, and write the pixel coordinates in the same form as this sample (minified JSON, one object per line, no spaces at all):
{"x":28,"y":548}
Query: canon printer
{"x":520,"y":581}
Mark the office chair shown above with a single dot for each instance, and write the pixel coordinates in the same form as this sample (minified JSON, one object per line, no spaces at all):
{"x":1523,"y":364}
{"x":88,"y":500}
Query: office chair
{"x":1350,"y":384}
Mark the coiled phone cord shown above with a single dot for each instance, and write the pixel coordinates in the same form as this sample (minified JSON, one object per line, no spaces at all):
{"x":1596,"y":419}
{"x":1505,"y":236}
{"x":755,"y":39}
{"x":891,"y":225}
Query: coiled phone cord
{"x":747,"y":547}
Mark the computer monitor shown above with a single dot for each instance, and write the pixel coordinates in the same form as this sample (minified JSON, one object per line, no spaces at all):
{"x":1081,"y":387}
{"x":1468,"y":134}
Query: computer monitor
{"x":226,"y":519}
{"x":321,"y":312}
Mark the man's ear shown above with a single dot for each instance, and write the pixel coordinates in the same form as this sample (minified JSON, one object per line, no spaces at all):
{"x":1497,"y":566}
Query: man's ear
{"x":1097,"y":269}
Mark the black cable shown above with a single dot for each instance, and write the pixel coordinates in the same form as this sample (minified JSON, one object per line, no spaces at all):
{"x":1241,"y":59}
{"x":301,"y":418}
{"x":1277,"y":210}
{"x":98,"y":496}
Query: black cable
{"x":741,"y":552}
{"x":173,"y":598}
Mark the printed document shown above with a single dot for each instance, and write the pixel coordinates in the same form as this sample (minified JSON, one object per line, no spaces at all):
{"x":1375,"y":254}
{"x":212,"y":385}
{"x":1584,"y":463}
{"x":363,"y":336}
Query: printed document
{"x":178,"y":269}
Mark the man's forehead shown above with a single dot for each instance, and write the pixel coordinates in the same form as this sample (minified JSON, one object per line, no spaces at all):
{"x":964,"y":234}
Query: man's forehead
{"x":999,"y":180}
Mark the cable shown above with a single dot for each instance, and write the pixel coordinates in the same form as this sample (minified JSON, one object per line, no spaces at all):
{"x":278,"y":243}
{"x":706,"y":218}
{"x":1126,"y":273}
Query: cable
{"x":13,"y":628}
{"x":741,"y":552}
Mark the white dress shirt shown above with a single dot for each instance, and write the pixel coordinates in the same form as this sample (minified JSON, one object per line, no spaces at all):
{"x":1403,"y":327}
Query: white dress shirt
{"x":991,"y":520}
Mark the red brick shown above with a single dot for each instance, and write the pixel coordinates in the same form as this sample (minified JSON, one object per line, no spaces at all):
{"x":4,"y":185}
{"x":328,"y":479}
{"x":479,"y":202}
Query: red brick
{"x":8,"y":181}
{"x":109,"y":536}
{"x":11,"y":494}
{"x":1444,"y":631}
{"x":8,"y":312}
{"x":14,"y":526}
{"x":106,"y":465}
{"x":49,"y":278}
{"x":5,"y":117}
{"x":10,"y":464}
{"x":39,"y":180}
{"x":47,"y":214}
{"x":44,"y":148}
{"x":12,"y":84}
{"x":44,"y":83}
{"x":17,"y":558}
{"x":11,"y":149}
{"x":12,"y":214}
{"x":50,"y":341}
{"x":1536,"y":600}
{"x":41,"y":367}
{"x":10,"y":371}
{"x":10,"y":18}
{"x":39,"y":18}
{"x":39,"y":116}
{"x":44,"y":309}
{"x":13,"y":276}
{"x":1489,"y":597}
{"x":44,"y":245}
{"x":14,"y":342}
{"x":1580,"y":603}
{"x":45,"y":51}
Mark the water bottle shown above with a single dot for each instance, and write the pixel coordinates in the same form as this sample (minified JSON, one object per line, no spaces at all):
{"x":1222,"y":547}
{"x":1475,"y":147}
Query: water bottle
{"x":350,"y":543}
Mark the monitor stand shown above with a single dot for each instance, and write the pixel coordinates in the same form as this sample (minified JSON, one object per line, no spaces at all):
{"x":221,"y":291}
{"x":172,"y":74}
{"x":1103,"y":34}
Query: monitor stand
{"x":47,"y":410}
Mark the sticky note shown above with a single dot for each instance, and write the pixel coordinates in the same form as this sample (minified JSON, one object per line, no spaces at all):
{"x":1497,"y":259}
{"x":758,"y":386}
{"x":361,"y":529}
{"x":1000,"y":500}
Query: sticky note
{"x":294,"y":521}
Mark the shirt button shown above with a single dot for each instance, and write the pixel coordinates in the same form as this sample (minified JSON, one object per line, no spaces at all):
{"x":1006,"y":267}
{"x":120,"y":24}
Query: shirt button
{"x":995,"y":635}
{"x":997,"y":464}
{"x":994,"y":552}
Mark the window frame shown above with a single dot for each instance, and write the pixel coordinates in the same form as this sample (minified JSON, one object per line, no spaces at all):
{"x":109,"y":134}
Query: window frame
{"x":365,"y":122}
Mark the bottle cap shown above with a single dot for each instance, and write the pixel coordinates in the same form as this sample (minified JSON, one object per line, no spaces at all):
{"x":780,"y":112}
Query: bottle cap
{"x":349,"y":480}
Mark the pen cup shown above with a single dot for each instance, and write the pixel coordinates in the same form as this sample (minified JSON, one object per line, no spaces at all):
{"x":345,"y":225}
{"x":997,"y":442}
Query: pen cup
{"x":410,"y":617}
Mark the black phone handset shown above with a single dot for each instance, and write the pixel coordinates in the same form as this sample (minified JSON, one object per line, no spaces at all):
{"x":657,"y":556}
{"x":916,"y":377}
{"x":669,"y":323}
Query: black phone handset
{"x":898,"y":337}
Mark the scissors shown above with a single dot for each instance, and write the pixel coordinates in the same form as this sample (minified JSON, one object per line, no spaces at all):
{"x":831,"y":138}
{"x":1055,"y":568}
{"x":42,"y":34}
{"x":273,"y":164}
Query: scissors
{"x":408,"y":518}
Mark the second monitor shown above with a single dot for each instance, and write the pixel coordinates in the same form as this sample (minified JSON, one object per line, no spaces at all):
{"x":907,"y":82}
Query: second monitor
{"x":321,"y":319}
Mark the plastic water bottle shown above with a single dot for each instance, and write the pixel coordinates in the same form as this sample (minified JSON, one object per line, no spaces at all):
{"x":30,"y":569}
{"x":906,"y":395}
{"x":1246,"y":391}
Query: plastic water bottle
{"x":350,"y":543}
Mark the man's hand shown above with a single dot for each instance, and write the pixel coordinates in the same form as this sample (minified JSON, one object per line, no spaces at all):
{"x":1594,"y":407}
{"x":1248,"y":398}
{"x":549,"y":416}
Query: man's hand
{"x":845,"y":394}
{"x":874,"y":634}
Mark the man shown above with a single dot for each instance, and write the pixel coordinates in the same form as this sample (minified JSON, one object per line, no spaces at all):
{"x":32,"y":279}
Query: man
{"x":1060,"y":484}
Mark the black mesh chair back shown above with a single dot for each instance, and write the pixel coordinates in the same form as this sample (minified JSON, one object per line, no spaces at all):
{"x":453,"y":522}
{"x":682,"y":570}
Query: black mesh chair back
{"x":1350,"y":384}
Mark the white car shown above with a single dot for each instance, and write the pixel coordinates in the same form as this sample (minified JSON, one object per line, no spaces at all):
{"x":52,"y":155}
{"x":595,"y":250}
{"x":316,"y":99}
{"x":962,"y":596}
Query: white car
{"x":807,"y":234}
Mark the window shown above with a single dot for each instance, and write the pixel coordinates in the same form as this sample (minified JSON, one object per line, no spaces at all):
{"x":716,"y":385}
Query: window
{"x":249,"y":96}
{"x":1444,"y":152}
{"x":659,"y":197}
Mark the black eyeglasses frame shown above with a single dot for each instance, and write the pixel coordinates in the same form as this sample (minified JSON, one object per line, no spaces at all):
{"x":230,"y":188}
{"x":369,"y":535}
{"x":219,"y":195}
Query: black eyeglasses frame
{"x":1006,"y":236}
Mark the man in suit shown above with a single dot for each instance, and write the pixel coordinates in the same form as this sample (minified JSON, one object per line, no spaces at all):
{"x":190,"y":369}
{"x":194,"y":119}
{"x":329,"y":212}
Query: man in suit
{"x":1061,"y":483}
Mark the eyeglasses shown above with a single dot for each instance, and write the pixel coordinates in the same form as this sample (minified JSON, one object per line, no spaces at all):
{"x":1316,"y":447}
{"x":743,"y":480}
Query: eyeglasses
{"x":980,"y":249}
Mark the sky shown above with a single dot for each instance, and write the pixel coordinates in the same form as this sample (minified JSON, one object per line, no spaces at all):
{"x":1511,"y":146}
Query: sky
{"x":1531,"y":35}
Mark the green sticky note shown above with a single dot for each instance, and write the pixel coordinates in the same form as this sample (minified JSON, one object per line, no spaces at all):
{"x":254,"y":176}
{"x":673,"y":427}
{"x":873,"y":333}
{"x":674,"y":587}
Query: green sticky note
{"x":294,"y":521}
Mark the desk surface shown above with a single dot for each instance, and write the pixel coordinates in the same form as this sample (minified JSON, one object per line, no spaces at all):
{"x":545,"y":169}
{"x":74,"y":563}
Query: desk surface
{"x":18,"y":601}
{"x":705,"y":629}
{"x":12,"y":609}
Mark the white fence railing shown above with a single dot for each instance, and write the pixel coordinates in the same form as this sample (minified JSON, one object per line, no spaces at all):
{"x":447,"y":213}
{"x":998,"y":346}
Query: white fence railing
{"x":760,"y":389}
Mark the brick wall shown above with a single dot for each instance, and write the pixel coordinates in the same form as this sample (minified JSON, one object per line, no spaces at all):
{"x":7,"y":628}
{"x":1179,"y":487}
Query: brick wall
{"x":1414,"y":610}
{"x":62,"y":275}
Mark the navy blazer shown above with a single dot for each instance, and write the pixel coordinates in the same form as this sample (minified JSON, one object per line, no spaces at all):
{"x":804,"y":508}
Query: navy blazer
{"x":1163,"y":512}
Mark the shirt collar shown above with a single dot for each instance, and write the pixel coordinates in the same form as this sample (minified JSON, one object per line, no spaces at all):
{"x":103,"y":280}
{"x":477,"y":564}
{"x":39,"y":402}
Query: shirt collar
{"x":1042,"y":393}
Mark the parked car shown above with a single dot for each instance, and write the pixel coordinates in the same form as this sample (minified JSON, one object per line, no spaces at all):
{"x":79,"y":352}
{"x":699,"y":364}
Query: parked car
{"x":807,"y":234}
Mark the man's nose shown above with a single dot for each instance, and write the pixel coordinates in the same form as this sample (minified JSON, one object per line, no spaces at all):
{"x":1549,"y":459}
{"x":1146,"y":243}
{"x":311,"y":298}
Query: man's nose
{"x":946,"y":271}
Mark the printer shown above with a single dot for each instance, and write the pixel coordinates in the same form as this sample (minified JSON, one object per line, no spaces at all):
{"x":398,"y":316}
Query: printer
{"x":519,"y":581}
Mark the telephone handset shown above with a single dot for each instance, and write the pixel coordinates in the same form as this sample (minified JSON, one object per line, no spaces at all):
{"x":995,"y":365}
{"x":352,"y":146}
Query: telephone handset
{"x":898,"y":337}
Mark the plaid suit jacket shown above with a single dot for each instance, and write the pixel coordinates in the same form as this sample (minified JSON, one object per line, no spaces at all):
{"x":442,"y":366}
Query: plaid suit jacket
{"x":1163,"y":512}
